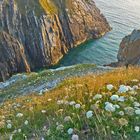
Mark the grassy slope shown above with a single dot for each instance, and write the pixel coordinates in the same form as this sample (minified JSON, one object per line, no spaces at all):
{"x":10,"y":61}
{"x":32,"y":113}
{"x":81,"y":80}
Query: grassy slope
{"x":103,"y":125}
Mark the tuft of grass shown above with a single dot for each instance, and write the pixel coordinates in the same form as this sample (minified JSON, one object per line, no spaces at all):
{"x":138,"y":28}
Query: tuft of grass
{"x":47,"y":113}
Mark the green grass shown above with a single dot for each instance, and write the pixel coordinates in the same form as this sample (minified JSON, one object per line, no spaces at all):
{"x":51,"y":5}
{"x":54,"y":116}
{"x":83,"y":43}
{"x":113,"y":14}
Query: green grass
{"x":103,"y":125}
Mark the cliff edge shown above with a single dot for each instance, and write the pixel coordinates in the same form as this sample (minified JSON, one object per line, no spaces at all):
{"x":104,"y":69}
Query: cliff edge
{"x":37,"y":33}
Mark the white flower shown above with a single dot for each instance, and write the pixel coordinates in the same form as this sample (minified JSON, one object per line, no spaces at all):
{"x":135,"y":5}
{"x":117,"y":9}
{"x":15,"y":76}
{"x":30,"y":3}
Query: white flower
{"x":137,"y":128}
{"x":72,"y":103}
{"x":26,"y":122}
{"x":109,"y":107}
{"x":135,"y":80}
{"x":75,"y":137}
{"x":129,"y":88}
{"x":70,"y":131}
{"x":136,"y":104}
{"x":11,"y":137}
{"x":67,"y":119}
{"x":19,"y":115}
{"x":60,"y":127}
{"x":117,"y":106}
{"x":77,"y":106}
{"x":42,"y":138}
{"x":97,"y":96}
{"x":123,"y":89}
{"x":40,"y":93}
{"x":121,"y":113}
{"x":59,"y":102}
{"x":9,"y":125}
{"x":89,"y":114}
{"x":114,"y":97}
{"x":19,"y":130}
{"x":110,"y":87}
{"x":137,"y":111}
{"x":129,"y":111}
{"x":121,"y":99}
{"x":135,"y":87}
{"x":43,"y":111}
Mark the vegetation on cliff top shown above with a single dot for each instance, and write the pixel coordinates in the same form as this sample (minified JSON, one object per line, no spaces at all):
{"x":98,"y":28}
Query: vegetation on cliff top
{"x":105,"y":106}
{"x":40,"y":6}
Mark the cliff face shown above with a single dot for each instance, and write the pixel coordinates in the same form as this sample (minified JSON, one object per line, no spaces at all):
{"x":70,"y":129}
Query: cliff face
{"x":37,"y":33}
{"x":129,"y":52}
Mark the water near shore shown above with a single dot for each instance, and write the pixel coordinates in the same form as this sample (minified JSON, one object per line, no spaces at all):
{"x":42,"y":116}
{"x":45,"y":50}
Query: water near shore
{"x":123,"y":16}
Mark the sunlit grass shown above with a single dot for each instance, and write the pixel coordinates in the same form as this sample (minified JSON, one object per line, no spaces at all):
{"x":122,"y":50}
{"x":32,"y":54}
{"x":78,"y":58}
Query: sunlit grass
{"x":51,"y":115}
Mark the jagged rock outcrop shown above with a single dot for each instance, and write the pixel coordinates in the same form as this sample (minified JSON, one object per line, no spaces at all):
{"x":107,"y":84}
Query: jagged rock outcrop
{"x":129,"y":51}
{"x":37,"y":33}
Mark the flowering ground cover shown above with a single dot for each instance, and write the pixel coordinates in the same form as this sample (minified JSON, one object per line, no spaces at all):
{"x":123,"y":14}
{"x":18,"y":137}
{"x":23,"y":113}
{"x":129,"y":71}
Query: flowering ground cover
{"x":99,"y":107}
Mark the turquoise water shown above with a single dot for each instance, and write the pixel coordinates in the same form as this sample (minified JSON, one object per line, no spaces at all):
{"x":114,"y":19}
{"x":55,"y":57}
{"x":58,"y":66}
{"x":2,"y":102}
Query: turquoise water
{"x":123,"y":16}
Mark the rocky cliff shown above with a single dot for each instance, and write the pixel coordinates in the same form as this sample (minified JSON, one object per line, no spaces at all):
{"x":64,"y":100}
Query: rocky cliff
{"x":37,"y":33}
{"x":129,"y":51}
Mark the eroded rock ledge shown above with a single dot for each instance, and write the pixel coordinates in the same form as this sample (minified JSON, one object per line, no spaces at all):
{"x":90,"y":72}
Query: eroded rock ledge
{"x":37,"y":33}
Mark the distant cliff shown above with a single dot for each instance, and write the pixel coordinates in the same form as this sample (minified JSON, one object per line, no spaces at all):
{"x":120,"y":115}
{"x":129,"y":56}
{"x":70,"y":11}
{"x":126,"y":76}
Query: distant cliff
{"x":37,"y":33}
{"x":129,"y":51}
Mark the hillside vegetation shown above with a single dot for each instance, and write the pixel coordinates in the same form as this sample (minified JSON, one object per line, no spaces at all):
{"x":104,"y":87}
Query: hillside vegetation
{"x":103,"y":107}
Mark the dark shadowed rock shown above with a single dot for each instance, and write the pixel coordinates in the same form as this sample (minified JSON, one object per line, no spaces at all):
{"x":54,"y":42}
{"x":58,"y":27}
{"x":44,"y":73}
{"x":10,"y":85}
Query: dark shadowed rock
{"x":37,"y":33}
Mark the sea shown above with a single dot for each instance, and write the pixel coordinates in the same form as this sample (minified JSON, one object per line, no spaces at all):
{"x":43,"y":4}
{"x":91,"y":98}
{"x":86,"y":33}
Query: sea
{"x":123,"y":16}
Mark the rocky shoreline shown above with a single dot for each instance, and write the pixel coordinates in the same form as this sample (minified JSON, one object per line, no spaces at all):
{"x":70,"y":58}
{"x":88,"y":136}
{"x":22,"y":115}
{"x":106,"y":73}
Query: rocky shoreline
{"x":34,"y":34}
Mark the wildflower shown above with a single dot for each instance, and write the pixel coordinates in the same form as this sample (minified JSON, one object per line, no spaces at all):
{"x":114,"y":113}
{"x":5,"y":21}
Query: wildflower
{"x":117,"y":106}
{"x":67,"y":119}
{"x":135,"y":87}
{"x":75,"y":137}
{"x":11,"y":137}
{"x":72,"y":103}
{"x":89,"y":114}
{"x":123,"y":89}
{"x":97,"y":96}
{"x":43,"y":111}
{"x":110,"y":107}
{"x":70,"y":131}
{"x":121,"y":113}
{"x":137,"y":111}
{"x":60,"y":127}
{"x":123,"y":122}
{"x":114,"y":97}
{"x":135,"y":80}
{"x":9,"y":125}
{"x":137,"y":128}
{"x":110,"y":87}
{"x":19,"y":115}
{"x":129,"y":111}
{"x":136,"y":104}
{"x":59,"y":102}
{"x":19,"y":130}
{"x":26,"y":122}
{"x":40,"y":93}
{"x":121,"y":99}
{"x":77,"y":106}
